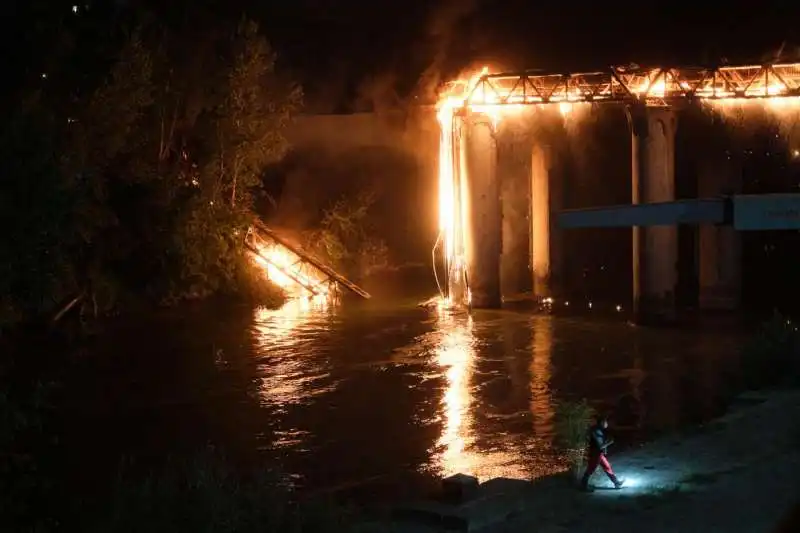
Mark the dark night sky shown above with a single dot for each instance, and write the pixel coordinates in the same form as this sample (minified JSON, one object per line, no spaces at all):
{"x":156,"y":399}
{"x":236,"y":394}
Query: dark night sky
{"x":325,"y":42}
{"x":557,"y":34}
{"x":353,"y":39}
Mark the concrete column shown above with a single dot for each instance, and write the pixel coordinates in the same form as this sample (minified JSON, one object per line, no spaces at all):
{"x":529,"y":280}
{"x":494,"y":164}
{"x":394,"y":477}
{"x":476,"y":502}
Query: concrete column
{"x":719,"y":247}
{"x":484,"y":216}
{"x":514,"y":174}
{"x":655,"y":249}
{"x":545,"y":197}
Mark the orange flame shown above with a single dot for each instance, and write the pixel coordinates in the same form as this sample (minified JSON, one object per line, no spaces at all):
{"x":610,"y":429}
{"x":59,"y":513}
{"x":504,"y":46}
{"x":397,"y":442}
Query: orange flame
{"x":285,"y":269}
{"x":504,"y":96}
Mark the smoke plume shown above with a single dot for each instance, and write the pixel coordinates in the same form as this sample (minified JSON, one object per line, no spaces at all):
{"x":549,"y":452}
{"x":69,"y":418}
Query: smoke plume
{"x":442,"y":32}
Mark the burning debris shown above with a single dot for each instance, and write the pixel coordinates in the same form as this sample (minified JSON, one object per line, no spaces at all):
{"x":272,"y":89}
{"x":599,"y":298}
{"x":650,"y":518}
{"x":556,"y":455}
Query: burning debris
{"x":298,"y":273}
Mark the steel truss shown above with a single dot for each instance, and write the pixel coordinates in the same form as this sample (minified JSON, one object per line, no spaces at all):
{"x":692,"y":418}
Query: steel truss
{"x":307,"y":272}
{"x":302,"y":273}
{"x":654,"y":86}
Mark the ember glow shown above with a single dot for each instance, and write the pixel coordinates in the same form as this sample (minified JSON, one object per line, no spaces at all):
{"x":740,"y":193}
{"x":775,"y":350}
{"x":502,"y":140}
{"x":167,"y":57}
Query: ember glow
{"x":493,"y":96}
{"x":288,"y":271}
{"x":627,"y":84}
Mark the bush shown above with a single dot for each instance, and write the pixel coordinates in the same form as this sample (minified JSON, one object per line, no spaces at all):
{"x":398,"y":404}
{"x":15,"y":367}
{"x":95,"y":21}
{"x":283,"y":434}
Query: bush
{"x":572,"y":421}
{"x":23,"y":482}
{"x":206,"y":494}
{"x":772,"y":356}
{"x":252,"y":285}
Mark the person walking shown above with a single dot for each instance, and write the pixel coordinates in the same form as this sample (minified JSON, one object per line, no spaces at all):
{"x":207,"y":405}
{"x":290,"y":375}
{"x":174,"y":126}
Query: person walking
{"x":596,"y":455}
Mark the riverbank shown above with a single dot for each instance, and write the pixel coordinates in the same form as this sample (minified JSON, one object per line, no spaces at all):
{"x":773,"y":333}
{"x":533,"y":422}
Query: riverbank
{"x":735,"y":474}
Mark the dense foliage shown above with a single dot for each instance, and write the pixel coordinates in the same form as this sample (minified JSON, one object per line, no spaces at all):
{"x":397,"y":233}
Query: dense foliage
{"x":132,"y":165}
{"x":572,"y":421}
{"x":343,"y":238}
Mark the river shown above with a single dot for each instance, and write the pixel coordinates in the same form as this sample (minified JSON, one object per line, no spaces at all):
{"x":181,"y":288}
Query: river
{"x":380,"y":395}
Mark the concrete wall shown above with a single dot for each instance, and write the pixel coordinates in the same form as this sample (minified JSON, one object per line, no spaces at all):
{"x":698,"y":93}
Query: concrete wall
{"x":416,"y":132}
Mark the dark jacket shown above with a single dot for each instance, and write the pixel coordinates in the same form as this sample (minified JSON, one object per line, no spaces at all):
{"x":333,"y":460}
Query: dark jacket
{"x":598,"y":439}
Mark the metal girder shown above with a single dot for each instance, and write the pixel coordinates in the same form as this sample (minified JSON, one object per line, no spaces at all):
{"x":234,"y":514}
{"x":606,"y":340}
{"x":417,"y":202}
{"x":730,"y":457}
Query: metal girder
{"x":766,"y":212}
{"x":261,"y":232}
{"x":746,"y":212}
{"x":699,"y":211}
{"x":662,"y":85}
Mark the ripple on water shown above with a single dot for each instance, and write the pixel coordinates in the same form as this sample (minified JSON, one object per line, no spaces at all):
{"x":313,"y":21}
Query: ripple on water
{"x":292,"y":366}
{"x":357,"y":394}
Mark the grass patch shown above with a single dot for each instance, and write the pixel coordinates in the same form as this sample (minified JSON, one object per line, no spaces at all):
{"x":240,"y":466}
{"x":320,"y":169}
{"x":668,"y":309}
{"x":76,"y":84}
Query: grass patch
{"x":205,"y":494}
{"x":572,"y":420}
{"x":772,"y":356}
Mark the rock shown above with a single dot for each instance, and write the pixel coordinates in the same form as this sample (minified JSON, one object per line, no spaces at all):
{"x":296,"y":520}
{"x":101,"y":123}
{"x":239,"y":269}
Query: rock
{"x":491,"y":510}
{"x":504,"y":485}
{"x":459,"y":488}
{"x":433,"y":514}
{"x":480,"y":506}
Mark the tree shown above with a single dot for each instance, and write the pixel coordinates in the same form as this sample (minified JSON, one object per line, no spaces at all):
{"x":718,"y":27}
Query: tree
{"x":134,"y":179}
{"x":102,"y":153}
{"x":345,"y":240}
{"x":257,"y":107}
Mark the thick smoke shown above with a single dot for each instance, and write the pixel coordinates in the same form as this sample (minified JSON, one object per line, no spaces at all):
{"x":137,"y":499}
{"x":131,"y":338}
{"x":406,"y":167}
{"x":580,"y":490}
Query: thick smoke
{"x":426,"y":64}
{"x":442,"y":33}
{"x":746,"y":118}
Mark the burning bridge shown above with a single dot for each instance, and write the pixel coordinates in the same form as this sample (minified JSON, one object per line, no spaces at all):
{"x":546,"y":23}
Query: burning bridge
{"x":472,"y":112}
{"x":301,"y":275}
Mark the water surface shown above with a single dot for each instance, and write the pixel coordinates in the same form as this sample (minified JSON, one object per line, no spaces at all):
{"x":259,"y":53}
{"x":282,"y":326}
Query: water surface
{"x":382,"y":394}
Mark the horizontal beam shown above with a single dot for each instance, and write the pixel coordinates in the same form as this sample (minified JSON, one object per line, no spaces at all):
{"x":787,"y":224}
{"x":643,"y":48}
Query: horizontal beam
{"x":699,"y":211}
{"x":766,"y":212}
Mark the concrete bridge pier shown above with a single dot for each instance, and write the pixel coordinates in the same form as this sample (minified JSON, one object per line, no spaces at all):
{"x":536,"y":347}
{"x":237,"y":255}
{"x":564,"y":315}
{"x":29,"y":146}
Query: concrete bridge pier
{"x":719,"y":246}
{"x":655,"y":248}
{"x":545,"y":197}
{"x":515,"y":179}
{"x":485,"y":218}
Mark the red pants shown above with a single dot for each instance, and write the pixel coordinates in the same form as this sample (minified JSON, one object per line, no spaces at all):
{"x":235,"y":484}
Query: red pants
{"x":595,"y":460}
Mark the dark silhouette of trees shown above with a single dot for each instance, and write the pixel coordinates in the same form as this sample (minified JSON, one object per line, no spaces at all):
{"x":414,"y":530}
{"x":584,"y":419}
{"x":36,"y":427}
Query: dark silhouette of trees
{"x":132,"y":162}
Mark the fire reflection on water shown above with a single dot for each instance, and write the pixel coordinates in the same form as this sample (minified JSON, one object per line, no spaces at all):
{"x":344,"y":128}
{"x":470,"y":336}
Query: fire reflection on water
{"x":280,"y":334}
{"x":541,"y":396}
{"x":463,"y":447}
{"x":456,"y":354}
{"x":277,"y":324}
